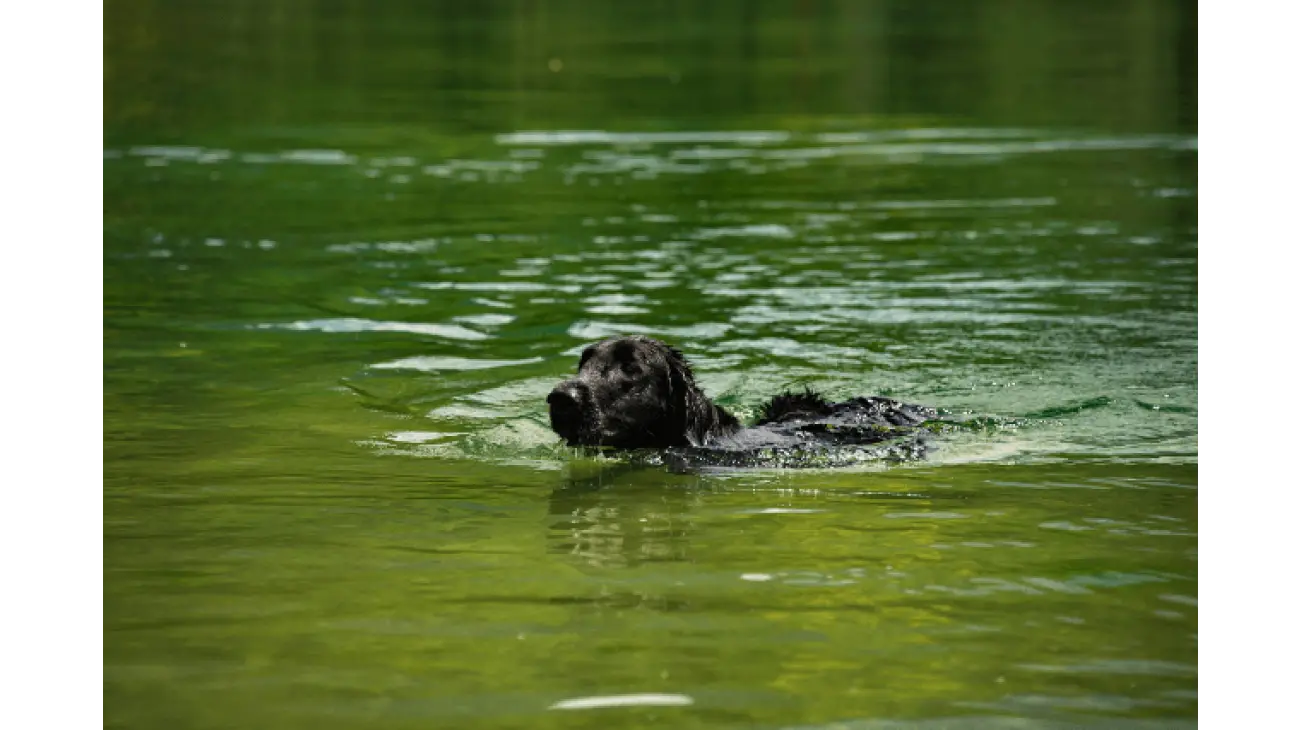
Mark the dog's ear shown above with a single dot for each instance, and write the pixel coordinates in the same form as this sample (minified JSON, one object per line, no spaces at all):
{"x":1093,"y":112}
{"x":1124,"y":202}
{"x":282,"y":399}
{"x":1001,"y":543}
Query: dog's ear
{"x":677,"y":363}
{"x":695,"y":418}
{"x":682,"y":395}
{"x":679,"y":374}
{"x":695,"y":414}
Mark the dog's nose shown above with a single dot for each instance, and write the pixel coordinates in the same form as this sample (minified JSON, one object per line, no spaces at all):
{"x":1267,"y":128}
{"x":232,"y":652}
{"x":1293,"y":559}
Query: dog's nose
{"x":566,"y":411}
{"x":564,"y":400}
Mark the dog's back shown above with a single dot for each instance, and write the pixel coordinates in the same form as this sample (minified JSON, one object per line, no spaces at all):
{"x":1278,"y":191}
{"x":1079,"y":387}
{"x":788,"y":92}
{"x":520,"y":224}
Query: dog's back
{"x":804,"y":430}
{"x":803,"y":419}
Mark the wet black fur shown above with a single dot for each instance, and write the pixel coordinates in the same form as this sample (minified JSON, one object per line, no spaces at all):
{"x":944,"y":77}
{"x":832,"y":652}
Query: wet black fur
{"x":636,"y":392}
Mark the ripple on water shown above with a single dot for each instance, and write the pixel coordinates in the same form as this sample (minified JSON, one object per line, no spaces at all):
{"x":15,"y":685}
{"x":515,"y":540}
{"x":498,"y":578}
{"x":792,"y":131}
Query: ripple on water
{"x":631,"y":700}
{"x":757,"y":230}
{"x":435,"y":363}
{"x":551,"y":138}
{"x":647,"y":155}
{"x":357,"y":324}
{"x":487,"y":319}
{"x":594,"y":330}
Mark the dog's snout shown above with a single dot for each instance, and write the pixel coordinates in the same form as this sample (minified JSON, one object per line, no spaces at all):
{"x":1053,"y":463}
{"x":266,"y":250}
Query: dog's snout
{"x":566,"y":402}
{"x":565,"y":398}
{"x":567,"y":415}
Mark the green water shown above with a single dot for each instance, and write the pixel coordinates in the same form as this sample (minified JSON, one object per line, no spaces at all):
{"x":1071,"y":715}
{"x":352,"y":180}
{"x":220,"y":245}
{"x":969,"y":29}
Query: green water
{"x":349,"y":247}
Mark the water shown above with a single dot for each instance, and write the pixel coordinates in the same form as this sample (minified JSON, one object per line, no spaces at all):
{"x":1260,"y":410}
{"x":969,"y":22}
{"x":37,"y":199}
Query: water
{"x":349,"y":249}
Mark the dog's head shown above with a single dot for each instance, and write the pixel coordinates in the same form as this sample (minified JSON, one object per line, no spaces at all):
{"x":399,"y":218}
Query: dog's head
{"x":630,"y":392}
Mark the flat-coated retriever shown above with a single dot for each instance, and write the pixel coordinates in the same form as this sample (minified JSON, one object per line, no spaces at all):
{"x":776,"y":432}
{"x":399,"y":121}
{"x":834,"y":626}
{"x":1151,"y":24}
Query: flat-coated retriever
{"x":639,"y":393}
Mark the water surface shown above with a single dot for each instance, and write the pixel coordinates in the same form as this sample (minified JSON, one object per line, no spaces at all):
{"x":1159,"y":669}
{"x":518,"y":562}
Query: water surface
{"x":348,"y":250}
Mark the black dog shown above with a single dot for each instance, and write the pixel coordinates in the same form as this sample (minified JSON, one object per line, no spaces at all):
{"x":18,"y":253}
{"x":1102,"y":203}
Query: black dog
{"x":638,"y":393}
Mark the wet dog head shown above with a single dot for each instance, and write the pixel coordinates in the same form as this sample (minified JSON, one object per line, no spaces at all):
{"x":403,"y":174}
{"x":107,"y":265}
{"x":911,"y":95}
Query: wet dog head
{"x":631,"y":392}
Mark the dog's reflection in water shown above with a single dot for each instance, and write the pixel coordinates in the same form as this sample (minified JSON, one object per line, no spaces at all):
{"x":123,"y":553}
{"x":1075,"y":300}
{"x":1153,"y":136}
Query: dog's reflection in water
{"x":622,"y":515}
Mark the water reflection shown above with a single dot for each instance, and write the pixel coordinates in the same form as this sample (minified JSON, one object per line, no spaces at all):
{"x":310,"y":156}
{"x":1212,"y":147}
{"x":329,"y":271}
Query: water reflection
{"x":621,"y":516}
